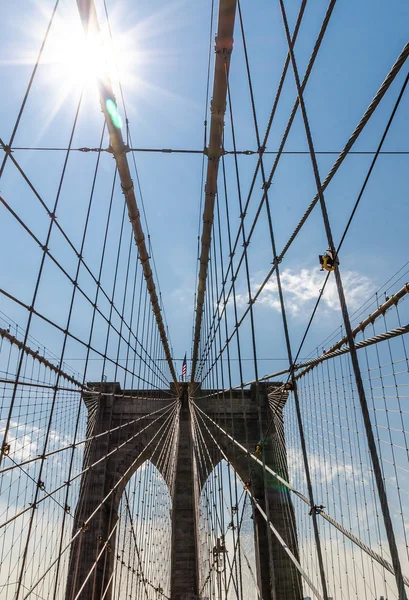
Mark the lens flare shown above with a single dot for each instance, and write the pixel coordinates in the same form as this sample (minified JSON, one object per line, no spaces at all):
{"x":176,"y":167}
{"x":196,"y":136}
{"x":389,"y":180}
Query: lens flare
{"x":112,"y":110}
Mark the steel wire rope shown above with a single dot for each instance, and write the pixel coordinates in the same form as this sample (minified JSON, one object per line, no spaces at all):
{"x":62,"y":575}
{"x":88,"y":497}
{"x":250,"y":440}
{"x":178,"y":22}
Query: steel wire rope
{"x":357,"y":373}
{"x":75,"y":444}
{"x":44,"y":248}
{"x":363,"y":307}
{"x":203,"y":159}
{"x":129,"y":141}
{"x":272,"y":114}
{"x":238,"y":340}
{"x":29,"y":86}
{"x":91,"y":516}
{"x":62,"y":231}
{"x":218,"y":520}
{"x":283,"y":311}
{"x":79,"y":403}
{"x":107,"y":340}
{"x":86,"y":469}
{"x":160,"y":466}
{"x":265,"y":187}
{"x":59,"y":328}
{"x":353,"y":212}
{"x":215,"y":385}
{"x":360,"y":195}
{"x":208,"y":481}
{"x":115,"y":274}
{"x":388,"y":421}
{"x":56,"y":262}
{"x":20,"y":361}
{"x":221,"y":263}
{"x":354,"y":136}
{"x":275,"y":104}
{"x":322,"y":513}
{"x":247,"y":271}
{"x":274,"y":530}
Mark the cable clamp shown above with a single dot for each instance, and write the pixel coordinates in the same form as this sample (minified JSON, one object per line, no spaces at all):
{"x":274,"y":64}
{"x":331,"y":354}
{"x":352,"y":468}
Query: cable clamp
{"x":128,"y":189}
{"x":277,"y":260}
{"x":316,"y":510}
{"x":5,"y":449}
{"x":266,"y":185}
{"x":259,"y":449}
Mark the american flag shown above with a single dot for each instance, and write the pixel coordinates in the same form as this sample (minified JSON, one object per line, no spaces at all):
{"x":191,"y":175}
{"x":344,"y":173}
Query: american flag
{"x":184,"y":367}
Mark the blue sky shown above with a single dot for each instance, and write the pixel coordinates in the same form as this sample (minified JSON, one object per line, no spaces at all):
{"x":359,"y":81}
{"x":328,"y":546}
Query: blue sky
{"x":163,"y":52}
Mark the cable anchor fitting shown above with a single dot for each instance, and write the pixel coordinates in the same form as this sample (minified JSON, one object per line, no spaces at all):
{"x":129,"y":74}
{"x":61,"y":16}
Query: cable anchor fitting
{"x":7,"y":149}
{"x":259,"y":449}
{"x":5,"y":449}
{"x":316,"y":510}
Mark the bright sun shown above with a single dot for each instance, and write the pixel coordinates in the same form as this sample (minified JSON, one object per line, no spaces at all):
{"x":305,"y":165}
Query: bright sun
{"x":72,"y":62}
{"x":78,"y":58}
{"x":85,"y":58}
{"x":75,"y":61}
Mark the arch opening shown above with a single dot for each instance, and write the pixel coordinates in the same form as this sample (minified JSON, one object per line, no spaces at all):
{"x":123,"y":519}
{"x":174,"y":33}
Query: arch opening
{"x":144,"y":537}
{"x":226,"y":542}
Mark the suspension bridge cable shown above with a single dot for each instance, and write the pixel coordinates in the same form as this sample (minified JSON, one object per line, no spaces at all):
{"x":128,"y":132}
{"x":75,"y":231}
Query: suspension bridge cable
{"x":28,"y":90}
{"x":358,"y":377}
{"x":364,"y":120}
{"x":108,"y":495}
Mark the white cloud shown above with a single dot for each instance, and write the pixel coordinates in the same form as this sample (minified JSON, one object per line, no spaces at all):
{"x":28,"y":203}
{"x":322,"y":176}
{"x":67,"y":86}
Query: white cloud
{"x":301,"y":289}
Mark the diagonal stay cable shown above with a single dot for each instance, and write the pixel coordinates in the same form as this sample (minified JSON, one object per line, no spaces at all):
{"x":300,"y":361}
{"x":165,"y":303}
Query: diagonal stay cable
{"x":384,"y":563}
{"x":254,"y":501}
{"x":108,"y":495}
{"x":109,"y":107}
{"x":86,"y":469}
{"x":267,"y":184}
{"x":77,"y":253}
{"x":354,"y":359}
{"x":344,"y":153}
{"x":72,"y":336}
{"x":261,"y":151}
{"x":28,"y":89}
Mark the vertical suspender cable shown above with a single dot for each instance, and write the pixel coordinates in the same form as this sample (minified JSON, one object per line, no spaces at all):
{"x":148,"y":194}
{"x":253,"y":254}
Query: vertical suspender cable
{"x":118,"y":148}
{"x":224,"y":47}
{"x":348,"y":329}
